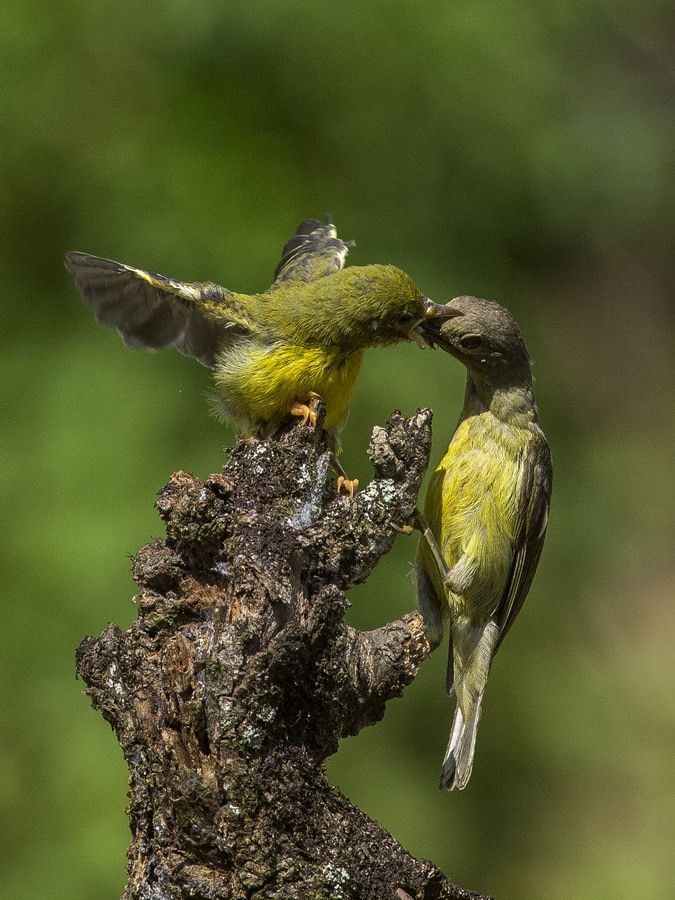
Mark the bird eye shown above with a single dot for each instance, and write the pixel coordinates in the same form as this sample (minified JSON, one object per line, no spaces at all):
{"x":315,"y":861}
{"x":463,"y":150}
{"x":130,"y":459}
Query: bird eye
{"x":470,"y":341}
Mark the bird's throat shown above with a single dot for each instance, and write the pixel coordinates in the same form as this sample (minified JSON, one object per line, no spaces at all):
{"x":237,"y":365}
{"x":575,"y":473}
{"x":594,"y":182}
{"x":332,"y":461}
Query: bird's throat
{"x":508,"y":402}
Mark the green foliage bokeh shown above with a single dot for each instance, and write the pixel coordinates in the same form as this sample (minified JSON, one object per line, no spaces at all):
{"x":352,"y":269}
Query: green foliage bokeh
{"x":503,"y":149}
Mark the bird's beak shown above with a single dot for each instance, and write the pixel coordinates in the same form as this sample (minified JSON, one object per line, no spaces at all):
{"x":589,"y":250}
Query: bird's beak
{"x":425,"y":333}
{"x":439,"y":310}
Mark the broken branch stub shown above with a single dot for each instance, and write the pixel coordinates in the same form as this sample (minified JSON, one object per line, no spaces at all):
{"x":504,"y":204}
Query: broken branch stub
{"x":239,"y":676}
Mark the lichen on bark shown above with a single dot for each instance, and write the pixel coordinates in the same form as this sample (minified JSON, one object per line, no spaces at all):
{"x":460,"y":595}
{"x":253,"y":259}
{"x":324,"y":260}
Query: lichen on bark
{"x":239,"y":677}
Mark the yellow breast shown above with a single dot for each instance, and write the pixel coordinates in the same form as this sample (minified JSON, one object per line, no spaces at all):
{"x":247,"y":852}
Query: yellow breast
{"x":258,"y":385}
{"x":472,"y":507}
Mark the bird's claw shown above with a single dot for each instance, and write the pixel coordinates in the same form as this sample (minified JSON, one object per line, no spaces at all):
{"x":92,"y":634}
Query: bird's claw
{"x":402,"y":529}
{"x":347,"y":486}
{"x":303,"y":410}
{"x":414,"y":523}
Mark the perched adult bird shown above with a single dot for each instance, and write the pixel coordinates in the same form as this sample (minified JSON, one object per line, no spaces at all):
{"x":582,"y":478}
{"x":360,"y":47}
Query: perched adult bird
{"x":271,"y":353}
{"x":485,"y":514}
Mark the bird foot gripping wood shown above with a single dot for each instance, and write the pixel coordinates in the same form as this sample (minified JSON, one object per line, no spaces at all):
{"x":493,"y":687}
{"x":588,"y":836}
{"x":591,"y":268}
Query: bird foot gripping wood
{"x":306,"y":409}
{"x":309,"y":411}
{"x":403,"y":529}
{"x":347,"y":486}
{"x":344,"y":484}
{"x":417,"y":522}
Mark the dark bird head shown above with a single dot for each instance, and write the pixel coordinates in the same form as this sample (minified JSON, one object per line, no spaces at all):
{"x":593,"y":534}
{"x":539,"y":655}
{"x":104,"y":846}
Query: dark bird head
{"x":484,"y":336}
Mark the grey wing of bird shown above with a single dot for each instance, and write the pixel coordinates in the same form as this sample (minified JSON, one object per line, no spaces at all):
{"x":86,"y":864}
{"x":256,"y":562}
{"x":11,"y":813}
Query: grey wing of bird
{"x":151,"y":311}
{"x":314,"y":251}
{"x":535,"y":496}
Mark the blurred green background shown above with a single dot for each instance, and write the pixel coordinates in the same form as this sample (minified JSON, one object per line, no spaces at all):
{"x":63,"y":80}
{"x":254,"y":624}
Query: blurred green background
{"x":505,"y":149}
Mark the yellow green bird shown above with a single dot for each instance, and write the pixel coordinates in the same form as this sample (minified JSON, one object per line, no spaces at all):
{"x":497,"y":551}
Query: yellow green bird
{"x":273,"y":352}
{"x":485,"y":514}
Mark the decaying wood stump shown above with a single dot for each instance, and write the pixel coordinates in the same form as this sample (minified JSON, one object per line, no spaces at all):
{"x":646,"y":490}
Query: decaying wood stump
{"x":239,"y":677}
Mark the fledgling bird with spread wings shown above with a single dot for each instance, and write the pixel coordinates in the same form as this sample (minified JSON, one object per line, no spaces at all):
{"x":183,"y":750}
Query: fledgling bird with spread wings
{"x":485,"y":514}
{"x":272,"y":352}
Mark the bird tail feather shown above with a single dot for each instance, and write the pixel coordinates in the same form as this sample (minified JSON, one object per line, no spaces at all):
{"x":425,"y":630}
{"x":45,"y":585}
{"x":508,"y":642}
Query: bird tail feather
{"x":471,"y":655}
{"x":450,"y":670}
{"x":458,"y":760}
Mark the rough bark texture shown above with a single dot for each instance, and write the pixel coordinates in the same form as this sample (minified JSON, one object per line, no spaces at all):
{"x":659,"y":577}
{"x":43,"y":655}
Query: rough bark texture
{"x":239,"y":677}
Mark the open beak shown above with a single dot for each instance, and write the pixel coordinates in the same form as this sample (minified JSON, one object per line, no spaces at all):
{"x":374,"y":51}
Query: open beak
{"x":425,"y":333}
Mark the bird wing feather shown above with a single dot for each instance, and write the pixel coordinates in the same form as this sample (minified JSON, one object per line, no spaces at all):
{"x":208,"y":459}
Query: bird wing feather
{"x":313,"y":252}
{"x":151,"y":311}
{"x":534,"y":499}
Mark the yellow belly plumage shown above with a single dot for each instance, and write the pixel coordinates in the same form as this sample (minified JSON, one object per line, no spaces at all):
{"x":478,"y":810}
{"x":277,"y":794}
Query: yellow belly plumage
{"x":257,"y":385}
{"x":471,"y":508}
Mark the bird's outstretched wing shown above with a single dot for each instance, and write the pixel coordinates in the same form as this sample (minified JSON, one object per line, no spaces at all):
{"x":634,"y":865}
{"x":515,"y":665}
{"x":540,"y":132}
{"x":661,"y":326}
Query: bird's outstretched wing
{"x":535,"y":495}
{"x":151,"y":311}
{"x":314,"y":250}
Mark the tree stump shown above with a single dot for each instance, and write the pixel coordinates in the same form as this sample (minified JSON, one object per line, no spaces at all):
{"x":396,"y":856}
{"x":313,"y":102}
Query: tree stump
{"x":239,"y":677}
